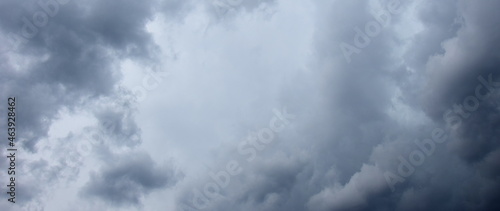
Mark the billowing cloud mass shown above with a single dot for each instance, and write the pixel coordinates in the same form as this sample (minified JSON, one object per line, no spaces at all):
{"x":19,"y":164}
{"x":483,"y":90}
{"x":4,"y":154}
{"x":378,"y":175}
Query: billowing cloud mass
{"x":252,"y":104}
{"x":127,"y":178}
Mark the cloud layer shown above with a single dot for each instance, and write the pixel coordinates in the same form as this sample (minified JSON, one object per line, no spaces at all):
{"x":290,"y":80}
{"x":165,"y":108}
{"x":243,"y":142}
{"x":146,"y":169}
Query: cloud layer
{"x":395,"y":104}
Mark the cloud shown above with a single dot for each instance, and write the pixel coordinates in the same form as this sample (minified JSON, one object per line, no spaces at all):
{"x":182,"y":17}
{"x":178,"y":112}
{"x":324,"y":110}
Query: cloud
{"x":356,"y":105}
{"x":446,"y":76}
{"x":68,"y":63}
{"x":71,"y":59}
{"x":234,"y":62}
{"x":127,"y":178}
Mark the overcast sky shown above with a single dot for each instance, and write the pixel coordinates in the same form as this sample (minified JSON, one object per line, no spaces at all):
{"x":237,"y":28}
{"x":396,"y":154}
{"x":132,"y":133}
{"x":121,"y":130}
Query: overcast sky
{"x":247,"y":105}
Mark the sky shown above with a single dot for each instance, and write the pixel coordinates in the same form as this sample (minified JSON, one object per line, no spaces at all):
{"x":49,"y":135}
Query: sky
{"x":269,"y":105}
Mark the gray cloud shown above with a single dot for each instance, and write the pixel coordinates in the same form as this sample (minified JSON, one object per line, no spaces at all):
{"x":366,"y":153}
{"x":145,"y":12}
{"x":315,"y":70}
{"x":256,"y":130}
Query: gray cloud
{"x":451,"y":73}
{"x":346,"y":121}
{"x":356,"y":120}
{"x":70,"y":62}
{"x":127,"y":178}
{"x":80,"y":46}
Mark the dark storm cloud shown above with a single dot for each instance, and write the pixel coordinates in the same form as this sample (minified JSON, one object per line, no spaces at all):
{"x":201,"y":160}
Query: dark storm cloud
{"x":458,"y":78}
{"x":467,"y":49}
{"x":341,"y":122}
{"x":469,"y":68}
{"x":355,"y":120}
{"x":441,"y":22}
{"x":118,"y":127}
{"x":347,"y":123}
{"x":70,"y":61}
{"x":126,"y":178}
{"x":72,"y":57}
